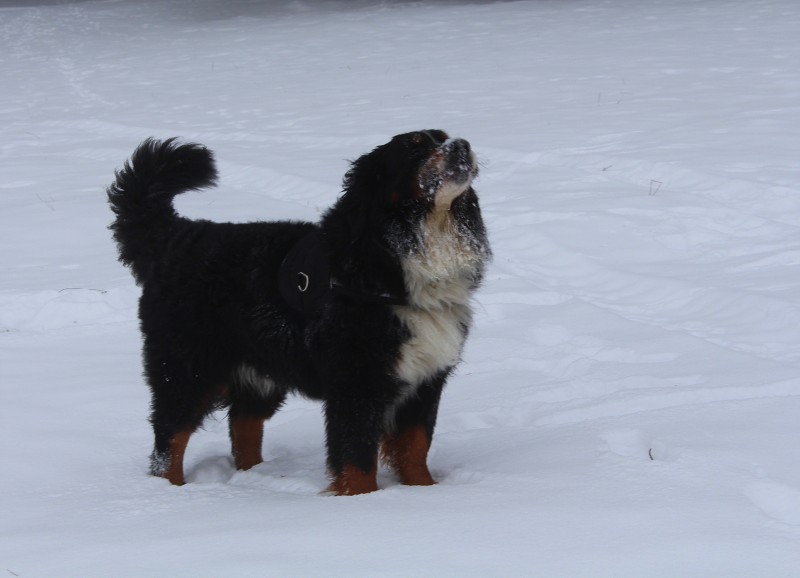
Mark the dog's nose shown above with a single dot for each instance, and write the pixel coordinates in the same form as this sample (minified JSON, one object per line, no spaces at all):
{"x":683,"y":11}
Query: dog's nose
{"x":458,"y":146}
{"x":459,"y":160}
{"x":458,"y":151}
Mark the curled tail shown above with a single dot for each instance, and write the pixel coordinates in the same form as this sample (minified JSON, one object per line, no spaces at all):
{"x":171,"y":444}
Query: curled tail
{"x":141,"y":196}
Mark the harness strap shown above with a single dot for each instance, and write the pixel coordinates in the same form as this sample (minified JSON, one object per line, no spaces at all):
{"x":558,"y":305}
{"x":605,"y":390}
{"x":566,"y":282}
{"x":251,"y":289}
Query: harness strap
{"x":383,"y":298}
{"x":305,"y":282}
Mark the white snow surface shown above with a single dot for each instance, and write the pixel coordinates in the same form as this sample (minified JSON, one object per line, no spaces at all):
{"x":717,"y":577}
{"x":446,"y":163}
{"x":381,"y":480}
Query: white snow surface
{"x":629,"y":400}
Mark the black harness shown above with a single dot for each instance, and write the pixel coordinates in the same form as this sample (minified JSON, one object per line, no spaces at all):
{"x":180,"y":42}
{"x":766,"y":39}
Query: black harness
{"x":306,"y":284}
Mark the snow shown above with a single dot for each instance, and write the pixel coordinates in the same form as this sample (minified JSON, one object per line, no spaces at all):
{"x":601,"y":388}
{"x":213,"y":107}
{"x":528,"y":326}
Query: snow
{"x":629,"y":399}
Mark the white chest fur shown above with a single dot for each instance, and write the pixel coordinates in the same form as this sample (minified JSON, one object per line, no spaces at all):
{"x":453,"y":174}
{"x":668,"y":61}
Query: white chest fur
{"x":439,"y":279}
{"x":436,"y":339}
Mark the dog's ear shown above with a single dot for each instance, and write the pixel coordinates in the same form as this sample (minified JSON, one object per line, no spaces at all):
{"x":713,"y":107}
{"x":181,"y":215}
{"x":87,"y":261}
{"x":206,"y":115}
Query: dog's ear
{"x":363,"y":202}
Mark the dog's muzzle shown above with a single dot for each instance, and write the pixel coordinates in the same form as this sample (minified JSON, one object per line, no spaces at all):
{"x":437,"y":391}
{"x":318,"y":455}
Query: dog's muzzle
{"x":459,"y":160}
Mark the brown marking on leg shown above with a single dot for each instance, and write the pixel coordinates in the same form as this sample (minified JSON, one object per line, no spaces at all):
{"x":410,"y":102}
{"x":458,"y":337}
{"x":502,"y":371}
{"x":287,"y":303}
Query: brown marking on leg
{"x":246,"y":438}
{"x":406,"y":452}
{"x":177,"y":447}
{"x":353,"y":480}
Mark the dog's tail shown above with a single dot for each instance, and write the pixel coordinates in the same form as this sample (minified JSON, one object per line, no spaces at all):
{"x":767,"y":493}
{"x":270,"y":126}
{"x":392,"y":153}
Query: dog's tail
{"x":141,"y":196}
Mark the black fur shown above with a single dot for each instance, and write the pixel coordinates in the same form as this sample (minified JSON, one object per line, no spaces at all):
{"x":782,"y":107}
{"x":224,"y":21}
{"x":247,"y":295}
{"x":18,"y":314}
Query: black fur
{"x":217,"y":332}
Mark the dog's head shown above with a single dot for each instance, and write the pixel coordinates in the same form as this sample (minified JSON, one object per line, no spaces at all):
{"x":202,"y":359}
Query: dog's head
{"x":424,"y":166}
{"x":389,"y":194}
{"x":413,"y":173}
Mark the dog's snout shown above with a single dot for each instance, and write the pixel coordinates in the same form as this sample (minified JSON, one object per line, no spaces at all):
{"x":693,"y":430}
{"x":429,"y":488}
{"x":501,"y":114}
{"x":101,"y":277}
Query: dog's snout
{"x":460,"y":159}
{"x":457,"y":151}
{"x":458,"y":147}
{"x":462,"y":146}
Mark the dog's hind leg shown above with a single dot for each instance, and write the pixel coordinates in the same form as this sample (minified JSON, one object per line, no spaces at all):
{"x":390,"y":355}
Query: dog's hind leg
{"x":168,"y":463}
{"x":178,"y":409}
{"x":246,"y":418}
{"x":171,"y":438}
{"x":247,"y":434}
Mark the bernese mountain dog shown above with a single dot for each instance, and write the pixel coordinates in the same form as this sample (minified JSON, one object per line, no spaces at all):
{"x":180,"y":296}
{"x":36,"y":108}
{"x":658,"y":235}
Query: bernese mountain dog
{"x":366,"y":310}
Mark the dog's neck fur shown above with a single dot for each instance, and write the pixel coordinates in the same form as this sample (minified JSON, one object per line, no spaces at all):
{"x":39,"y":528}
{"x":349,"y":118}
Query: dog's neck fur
{"x":440,"y":279}
{"x":445,"y":268}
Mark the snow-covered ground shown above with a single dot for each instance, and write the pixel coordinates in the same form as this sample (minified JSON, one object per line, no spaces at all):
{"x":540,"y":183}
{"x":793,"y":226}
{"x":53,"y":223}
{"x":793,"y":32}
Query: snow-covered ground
{"x":629,"y":402}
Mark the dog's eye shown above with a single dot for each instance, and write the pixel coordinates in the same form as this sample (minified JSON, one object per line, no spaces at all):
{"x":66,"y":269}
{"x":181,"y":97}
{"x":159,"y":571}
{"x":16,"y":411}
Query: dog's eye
{"x":428,"y":138}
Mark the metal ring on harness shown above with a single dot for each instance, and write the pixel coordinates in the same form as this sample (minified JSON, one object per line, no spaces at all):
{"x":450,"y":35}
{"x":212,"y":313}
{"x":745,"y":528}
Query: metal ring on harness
{"x":303,"y":287}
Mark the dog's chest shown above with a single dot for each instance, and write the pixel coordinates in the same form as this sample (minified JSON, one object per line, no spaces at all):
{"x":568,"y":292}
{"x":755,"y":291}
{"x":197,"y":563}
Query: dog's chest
{"x":435,"y":340}
{"x":439,"y":280}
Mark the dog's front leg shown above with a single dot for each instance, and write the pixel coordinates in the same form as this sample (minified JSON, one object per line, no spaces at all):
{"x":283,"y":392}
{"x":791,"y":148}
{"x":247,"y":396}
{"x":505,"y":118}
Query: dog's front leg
{"x":353,"y":430}
{"x":405,"y":445}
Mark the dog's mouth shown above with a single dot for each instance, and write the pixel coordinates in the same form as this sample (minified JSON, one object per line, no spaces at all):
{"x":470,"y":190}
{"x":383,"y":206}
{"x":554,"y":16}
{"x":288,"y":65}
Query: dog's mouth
{"x":449,"y":172}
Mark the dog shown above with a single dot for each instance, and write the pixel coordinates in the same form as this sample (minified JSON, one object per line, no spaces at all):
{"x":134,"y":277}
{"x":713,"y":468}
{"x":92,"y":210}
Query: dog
{"x":366,"y":310}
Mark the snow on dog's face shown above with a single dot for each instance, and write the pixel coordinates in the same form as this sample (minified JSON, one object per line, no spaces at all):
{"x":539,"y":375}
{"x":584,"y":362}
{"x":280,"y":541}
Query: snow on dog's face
{"x":426,"y":166}
{"x":448,"y":172}
{"x":408,"y":210}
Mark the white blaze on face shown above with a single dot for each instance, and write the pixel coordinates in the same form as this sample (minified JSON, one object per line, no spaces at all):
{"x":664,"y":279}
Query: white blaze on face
{"x":445,"y":177}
